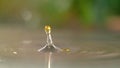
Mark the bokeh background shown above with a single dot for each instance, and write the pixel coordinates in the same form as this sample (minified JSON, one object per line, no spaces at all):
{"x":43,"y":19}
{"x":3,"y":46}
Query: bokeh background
{"x":82,"y":14}
{"x":90,"y":28}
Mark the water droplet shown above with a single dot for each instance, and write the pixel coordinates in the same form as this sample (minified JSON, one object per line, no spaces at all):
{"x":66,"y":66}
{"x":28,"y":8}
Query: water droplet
{"x":47,"y":29}
{"x":15,"y":53}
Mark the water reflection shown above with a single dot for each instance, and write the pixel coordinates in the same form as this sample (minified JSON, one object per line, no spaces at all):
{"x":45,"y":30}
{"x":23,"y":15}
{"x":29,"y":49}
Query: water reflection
{"x":18,"y":49}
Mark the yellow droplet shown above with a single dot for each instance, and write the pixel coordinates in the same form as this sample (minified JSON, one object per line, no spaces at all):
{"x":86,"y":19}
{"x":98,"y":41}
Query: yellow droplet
{"x":66,"y":50}
{"x":47,"y":29}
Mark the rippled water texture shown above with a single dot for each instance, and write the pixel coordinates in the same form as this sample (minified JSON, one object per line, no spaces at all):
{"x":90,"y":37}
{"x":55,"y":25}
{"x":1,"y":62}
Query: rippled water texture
{"x":18,"y":49}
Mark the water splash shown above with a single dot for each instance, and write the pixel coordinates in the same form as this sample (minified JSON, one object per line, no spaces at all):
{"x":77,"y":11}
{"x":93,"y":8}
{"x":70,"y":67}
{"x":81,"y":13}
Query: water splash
{"x":50,"y":48}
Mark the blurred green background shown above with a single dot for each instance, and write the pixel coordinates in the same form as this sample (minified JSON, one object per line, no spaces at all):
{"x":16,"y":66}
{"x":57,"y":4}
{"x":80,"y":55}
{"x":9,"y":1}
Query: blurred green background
{"x":78,"y":14}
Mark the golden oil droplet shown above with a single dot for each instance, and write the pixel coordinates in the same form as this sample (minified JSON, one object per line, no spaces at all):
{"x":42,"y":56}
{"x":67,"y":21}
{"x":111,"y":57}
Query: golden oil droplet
{"x":66,"y":50}
{"x":47,"y":29}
